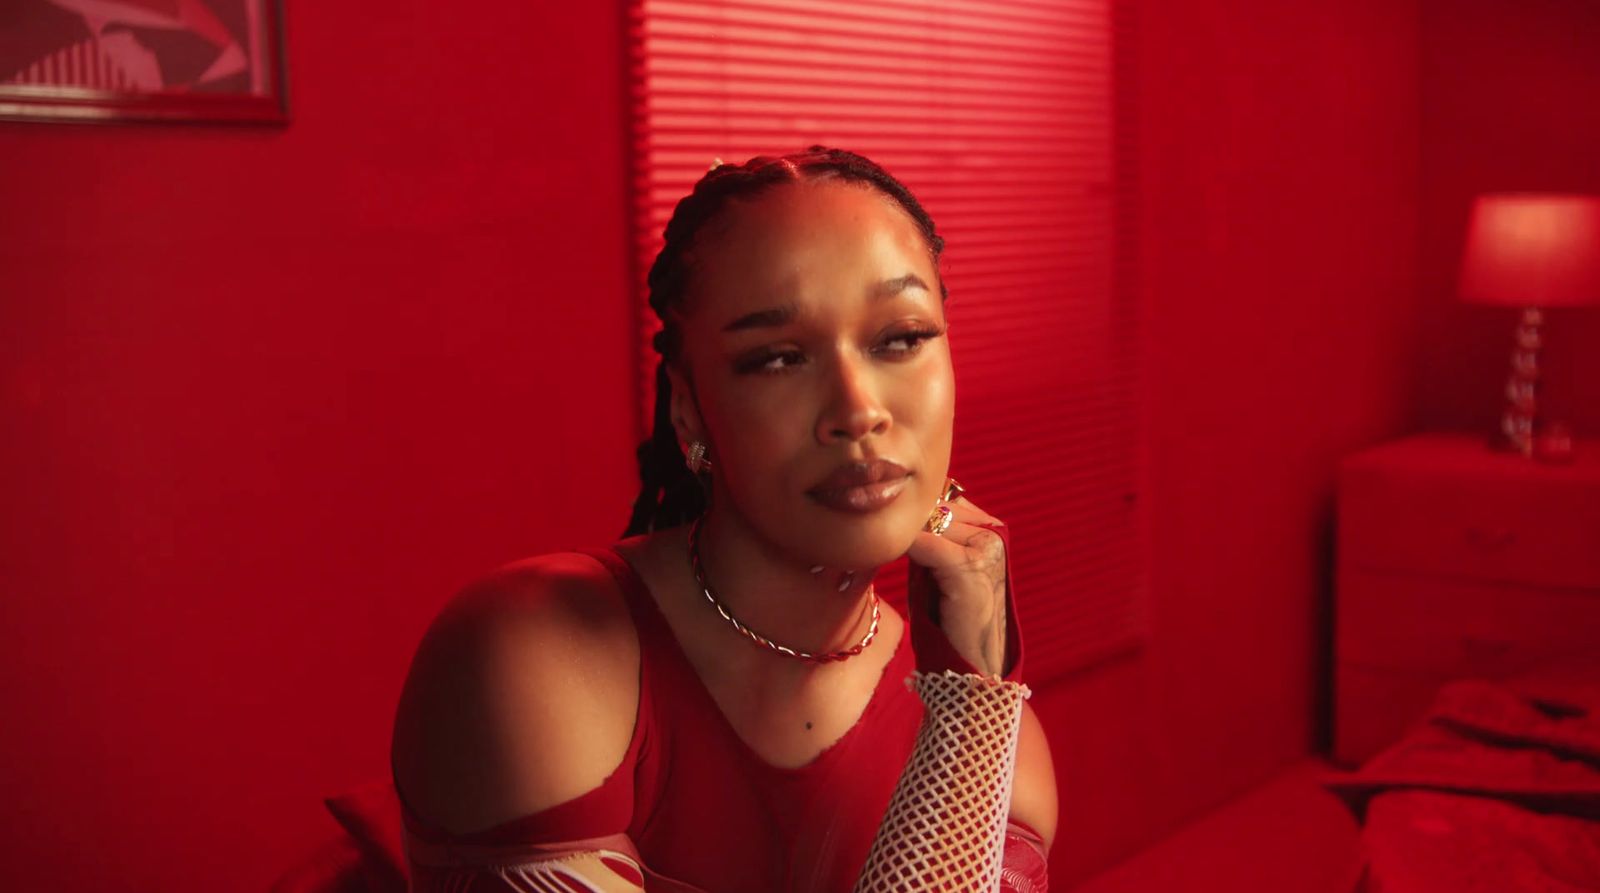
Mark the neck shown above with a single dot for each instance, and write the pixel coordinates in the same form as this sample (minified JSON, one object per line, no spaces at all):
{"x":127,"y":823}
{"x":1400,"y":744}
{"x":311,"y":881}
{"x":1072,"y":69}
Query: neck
{"x":776,"y":595}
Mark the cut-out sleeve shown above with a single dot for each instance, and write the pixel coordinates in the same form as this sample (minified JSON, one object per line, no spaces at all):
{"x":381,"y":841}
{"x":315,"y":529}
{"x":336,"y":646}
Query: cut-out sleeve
{"x":609,"y":864}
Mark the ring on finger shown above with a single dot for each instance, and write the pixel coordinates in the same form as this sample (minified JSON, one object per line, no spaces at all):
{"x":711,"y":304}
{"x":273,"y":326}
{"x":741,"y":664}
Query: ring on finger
{"x":939,"y":520}
{"x":952,"y":490}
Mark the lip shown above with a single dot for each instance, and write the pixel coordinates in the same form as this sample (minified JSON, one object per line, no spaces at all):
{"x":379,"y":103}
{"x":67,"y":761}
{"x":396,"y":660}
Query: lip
{"x":861,"y":486}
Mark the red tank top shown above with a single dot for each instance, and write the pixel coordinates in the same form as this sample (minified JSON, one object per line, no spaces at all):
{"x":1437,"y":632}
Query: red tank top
{"x":703,"y":808}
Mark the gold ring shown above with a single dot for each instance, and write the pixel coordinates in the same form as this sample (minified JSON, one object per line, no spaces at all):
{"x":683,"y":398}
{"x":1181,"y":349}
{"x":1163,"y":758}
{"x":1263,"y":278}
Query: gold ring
{"x":952,"y":489}
{"x":939,"y":520}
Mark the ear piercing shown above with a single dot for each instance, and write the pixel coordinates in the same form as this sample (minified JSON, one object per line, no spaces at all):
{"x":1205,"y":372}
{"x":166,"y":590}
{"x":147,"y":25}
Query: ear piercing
{"x":696,"y":460}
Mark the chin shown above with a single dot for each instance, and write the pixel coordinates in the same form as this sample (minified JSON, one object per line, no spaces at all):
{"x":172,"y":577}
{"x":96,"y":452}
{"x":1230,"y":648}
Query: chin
{"x":863,"y":541}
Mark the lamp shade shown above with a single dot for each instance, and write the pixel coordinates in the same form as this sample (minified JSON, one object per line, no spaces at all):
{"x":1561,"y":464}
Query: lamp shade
{"x":1533,"y":250}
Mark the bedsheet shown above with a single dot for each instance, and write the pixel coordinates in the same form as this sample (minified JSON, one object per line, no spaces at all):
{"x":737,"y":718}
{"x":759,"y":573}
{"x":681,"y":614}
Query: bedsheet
{"x":1496,"y":788}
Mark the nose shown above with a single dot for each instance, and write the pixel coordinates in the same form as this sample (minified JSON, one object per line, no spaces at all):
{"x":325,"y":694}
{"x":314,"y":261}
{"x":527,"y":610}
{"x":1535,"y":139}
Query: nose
{"x":854,"y":408}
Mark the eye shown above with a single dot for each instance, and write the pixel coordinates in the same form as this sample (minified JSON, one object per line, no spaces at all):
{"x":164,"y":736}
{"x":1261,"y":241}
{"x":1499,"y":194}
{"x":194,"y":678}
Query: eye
{"x":772,"y":363}
{"x":910,"y":341}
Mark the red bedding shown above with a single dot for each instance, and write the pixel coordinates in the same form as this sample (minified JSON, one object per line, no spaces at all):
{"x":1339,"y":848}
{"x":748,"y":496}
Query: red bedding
{"x":1496,"y":788}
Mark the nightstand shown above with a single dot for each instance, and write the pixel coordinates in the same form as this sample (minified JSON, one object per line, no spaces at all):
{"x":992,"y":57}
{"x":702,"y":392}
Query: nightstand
{"x":1455,"y":561}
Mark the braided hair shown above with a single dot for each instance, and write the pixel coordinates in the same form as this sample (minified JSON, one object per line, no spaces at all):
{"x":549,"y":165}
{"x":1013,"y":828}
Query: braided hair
{"x":670,"y":494}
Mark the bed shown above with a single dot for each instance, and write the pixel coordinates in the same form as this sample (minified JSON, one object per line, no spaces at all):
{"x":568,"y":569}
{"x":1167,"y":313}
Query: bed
{"x":1495,"y":788}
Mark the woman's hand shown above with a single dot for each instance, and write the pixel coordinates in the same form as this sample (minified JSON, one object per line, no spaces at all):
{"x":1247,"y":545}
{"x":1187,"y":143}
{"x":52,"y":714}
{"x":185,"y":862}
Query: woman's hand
{"x":959,"y":576}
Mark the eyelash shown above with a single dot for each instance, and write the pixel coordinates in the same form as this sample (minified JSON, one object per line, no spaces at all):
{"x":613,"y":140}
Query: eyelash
{"x":913,"y":337}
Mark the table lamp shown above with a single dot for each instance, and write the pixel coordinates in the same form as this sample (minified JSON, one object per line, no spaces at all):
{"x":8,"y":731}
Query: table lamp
{"x":1534,"y":251}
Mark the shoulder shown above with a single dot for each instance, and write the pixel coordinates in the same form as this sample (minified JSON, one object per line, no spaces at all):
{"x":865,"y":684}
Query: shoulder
{"x":521,"y":695}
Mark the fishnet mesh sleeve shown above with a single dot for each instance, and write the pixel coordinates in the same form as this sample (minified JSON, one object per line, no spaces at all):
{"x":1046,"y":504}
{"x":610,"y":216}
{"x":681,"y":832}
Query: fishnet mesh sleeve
{"x":945,"y":826}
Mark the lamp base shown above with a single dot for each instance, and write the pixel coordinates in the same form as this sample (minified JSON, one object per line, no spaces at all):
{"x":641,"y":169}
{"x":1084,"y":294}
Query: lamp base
{"x":1522,"y":388}
{"x":1552,"y":443}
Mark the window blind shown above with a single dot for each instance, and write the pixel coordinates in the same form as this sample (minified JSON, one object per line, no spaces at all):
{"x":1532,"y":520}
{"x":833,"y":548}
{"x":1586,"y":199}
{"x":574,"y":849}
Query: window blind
{"x":1009,"y":121}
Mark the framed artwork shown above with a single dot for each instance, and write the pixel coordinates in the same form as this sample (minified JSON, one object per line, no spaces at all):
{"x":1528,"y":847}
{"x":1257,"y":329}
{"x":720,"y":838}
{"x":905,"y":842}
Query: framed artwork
{"x":142,"y":60}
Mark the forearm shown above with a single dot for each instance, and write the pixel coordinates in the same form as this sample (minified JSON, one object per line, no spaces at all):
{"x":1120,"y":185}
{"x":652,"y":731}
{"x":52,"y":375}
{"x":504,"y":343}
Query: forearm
{"x":945,"y":828}
{"x":953,"y":799}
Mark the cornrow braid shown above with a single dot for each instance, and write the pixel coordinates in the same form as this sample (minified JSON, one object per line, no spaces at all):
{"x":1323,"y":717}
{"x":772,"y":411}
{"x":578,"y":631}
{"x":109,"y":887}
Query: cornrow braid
{"x":669,"y":493}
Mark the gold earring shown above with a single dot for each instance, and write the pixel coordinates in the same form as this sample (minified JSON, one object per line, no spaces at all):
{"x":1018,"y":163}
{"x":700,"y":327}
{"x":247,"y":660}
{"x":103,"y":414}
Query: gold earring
{"x":696,"y":460}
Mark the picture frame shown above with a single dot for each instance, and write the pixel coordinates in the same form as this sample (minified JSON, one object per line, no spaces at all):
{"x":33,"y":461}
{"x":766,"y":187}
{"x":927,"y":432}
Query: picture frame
{"x":143,"y":60}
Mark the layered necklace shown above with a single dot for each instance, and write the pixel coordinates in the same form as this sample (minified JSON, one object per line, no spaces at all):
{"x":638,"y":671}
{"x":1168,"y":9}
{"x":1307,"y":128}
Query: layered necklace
{"x":759,"y":639}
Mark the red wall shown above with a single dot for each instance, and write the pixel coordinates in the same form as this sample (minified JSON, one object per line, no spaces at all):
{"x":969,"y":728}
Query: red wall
{"x":1278,"y":242}
{"x":1510,"y":100}
{"x":269,"y":396}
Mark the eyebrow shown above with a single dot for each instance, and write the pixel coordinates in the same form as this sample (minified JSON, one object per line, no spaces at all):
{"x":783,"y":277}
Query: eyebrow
{"x":785,"y":313}
{"x":891,"y":287}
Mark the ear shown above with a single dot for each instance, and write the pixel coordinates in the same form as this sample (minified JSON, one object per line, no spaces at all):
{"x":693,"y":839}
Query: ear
{"x":685,"y":412}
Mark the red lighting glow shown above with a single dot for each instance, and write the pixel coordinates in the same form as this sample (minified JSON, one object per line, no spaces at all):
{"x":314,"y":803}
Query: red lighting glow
{"x":1533,"y":250}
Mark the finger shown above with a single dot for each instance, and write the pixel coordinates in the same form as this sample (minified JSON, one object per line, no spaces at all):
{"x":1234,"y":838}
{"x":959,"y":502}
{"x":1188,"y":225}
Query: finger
{"x":968,"y":511}
{"x":963,"y":513}
{"x":935,"y":550}
{"x":949,"y":549}
{"x":963,"y":532}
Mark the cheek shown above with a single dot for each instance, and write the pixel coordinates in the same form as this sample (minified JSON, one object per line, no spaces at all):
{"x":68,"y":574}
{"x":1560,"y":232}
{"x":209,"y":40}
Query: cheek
{"x":753,"y":431}
{"x":759,"y":430}
{"x":938,"y":428}
{"x":936,"y":403}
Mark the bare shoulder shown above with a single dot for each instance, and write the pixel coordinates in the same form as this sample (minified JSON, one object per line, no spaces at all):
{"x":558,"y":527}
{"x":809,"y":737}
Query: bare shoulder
{"x":521,"y":695}
{"x":1033,"y":792}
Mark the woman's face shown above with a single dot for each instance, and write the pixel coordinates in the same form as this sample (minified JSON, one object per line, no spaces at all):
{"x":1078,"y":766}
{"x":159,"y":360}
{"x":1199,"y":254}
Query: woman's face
{"x":815,"y":337}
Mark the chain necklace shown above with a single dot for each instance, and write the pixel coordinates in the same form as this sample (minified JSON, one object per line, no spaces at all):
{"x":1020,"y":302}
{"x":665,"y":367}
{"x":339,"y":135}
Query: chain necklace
{"x":752,"y":635}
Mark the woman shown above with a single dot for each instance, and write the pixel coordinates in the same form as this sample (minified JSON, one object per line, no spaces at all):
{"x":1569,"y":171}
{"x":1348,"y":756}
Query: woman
{"x":718,"y":702}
